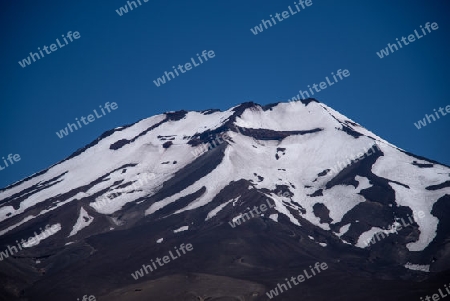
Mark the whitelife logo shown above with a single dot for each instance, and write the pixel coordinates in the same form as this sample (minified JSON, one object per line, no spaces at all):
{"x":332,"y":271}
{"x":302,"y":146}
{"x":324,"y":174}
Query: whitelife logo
{"x":32,"y":241}
{"x":86,"y":298}
{"x":124,"y":10}
{"x":437,"y":297}
{"x":90,"y":118}
{"x":395,"y":228}
{"x":53,"y":48}
{"x":300,"y":278}
{"x":423,"y":122}
{"x":284,"y":15}
{"x":188,"y":66}
{"x":411,"y":38}
{"x":321,"y":86}
{"x":166,"y":259}
{"x":10,"y":158}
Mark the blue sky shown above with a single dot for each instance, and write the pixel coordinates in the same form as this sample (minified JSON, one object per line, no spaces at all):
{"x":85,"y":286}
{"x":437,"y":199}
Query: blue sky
{"x":118,"y":57}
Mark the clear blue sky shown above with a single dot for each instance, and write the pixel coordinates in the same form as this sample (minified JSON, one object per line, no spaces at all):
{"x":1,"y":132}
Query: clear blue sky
{"x":118,"y":57}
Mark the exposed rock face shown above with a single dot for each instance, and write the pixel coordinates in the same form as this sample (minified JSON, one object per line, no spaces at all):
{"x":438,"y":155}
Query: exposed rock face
{"x":378,"y":219}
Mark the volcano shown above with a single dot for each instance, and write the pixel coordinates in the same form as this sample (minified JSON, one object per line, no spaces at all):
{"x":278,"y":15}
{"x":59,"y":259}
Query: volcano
{"x":116,"y":218}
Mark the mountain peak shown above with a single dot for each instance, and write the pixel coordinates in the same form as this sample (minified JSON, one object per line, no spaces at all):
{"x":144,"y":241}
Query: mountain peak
{"x":329,"y":184}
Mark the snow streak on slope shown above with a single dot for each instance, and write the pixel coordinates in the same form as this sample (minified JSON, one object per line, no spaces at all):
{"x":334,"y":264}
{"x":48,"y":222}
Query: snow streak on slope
{"x":219,"y":208}
{"x":181,"y":229}
{"x":78,"y":196}
{"x":35,"y":242}
{"x":397,"y":166}
{"x":285,"y":145}
{"x":302,"y":158}
{"x":242,"y":160}
{"x":146,"y":153}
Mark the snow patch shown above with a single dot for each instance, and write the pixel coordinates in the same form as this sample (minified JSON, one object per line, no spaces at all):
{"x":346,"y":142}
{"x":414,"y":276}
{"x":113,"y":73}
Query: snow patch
{"x":84,"y":220}
{"x":418,"y":267}
{"x":216,"y":210}
{"x":274,"y":217}
{"x":184,"y":228}
{"x":343,"y":230}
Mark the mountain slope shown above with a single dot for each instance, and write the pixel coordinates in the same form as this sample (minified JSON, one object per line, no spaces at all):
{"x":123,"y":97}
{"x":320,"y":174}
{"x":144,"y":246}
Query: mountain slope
{"x":335,"y":192}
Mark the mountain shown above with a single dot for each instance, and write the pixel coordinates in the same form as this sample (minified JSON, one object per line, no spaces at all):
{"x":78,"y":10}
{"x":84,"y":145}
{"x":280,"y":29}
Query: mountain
{"x":164,"y":209}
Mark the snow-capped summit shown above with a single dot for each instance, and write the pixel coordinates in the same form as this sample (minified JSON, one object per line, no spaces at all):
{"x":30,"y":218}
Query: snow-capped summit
{"x":335,"y":187}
